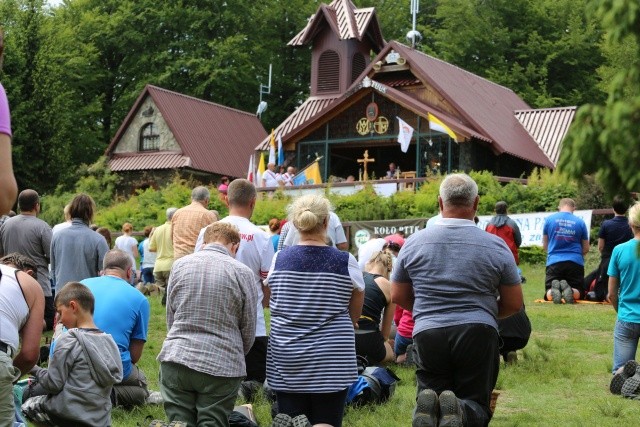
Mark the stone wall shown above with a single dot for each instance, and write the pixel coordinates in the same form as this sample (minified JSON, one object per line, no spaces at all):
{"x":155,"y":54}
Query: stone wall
{"x":130,"y":140}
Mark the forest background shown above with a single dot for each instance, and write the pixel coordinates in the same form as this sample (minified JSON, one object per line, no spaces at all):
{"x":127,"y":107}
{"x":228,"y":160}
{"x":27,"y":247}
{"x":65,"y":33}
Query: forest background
{"x":73,"y":71}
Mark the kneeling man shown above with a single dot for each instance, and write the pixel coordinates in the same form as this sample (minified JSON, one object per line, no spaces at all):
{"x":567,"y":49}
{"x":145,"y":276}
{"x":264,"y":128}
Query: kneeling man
{"x":211,"y":321}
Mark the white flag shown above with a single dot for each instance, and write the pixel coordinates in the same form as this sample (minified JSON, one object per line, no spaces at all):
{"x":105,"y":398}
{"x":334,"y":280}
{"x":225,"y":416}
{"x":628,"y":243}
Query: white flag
{"x":405,"y":135}
{"x":252,"y":170}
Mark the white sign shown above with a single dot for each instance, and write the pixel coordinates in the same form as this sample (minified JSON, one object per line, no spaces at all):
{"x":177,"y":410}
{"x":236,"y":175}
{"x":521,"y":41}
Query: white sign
{"x":531,"y":224}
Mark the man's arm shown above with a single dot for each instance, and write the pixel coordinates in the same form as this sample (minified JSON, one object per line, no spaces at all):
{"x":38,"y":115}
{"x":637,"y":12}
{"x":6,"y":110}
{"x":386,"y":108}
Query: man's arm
{"x":135,"y":349}
{"x":585,"y":247}
{"x":510,"y":301}
{"x":46,"y":241}
{"x":32,"y":330}
{"x":8,"y":186}
{"x":600,"y":244}
{"x":612,"y":296}
{"x":545,"y":242}
{"x":402,"y":295}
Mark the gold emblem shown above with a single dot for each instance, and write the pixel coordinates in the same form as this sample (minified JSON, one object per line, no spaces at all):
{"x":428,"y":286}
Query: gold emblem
{"x":362,"y":127}
{"x":381,"y":125}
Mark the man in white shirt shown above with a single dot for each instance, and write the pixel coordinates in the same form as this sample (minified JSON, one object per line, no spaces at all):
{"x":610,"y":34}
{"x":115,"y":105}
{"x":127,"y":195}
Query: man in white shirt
{"x":287,"y":177}
{"x":256,"y":252}
{"x":269,"y":177}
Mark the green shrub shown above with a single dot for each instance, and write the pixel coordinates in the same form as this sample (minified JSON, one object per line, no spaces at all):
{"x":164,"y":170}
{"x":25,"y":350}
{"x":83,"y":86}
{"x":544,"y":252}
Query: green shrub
{"x":532,"y":255}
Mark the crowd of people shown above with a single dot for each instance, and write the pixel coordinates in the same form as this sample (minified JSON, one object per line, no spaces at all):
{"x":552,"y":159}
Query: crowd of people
{"x":431,"y":301}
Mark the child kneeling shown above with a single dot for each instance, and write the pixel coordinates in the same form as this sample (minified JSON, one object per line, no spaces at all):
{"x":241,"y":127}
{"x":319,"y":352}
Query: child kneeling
{"x":82,"y":371}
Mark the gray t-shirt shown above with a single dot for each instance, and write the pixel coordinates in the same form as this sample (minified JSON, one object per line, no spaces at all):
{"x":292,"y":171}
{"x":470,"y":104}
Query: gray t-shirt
{"x":29,"y":236}
{"x":455,"y":269}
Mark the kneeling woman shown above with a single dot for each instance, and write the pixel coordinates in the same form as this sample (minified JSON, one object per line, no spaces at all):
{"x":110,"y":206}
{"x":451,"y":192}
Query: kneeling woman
{"x":316,"y":298}
{"x":372,"y":336}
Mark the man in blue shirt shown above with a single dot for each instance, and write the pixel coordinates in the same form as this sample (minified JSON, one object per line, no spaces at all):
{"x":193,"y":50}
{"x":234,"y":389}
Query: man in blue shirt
{"x":123,"y":312}
{"x":566,"y":240}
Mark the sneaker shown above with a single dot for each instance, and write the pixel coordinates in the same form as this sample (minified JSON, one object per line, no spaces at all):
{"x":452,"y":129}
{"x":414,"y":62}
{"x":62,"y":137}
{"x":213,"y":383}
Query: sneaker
{"x":300,"y":421}
{"x":567,"y":292}
{"x":426,"y":413}
{"x":618,"y":379}
{"x":154,"y":398}
{"x":512,"y":358}
{"x":556,"y":295}
{"x":631,"y":385}
{"x":450,"y":410}
{"x":282,"y":420}
{"x":409,"y":361}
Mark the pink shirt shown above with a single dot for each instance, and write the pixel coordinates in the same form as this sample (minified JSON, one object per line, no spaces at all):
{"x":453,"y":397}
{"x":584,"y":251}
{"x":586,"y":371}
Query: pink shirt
{"x":404,"y":321}
{"x":5,"y":118}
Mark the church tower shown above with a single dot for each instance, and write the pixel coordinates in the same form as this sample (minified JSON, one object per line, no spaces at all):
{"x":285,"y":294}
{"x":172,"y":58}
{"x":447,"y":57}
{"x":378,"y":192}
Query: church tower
{"x":342,"y":38}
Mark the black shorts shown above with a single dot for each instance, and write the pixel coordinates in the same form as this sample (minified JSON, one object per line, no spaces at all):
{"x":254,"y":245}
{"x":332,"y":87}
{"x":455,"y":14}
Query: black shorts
{"x":371,"y":346}
{"x":256,"y":360}
{"x":566,"y":270}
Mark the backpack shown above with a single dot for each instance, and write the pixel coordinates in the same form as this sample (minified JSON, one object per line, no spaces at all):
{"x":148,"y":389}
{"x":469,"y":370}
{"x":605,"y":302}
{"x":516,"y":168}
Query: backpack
{"x":505,"y":233}
{"x":375,"y":385}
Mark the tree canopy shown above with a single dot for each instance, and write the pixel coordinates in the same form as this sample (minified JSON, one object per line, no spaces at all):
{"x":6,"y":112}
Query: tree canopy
{"x":72,"y":72}
{"x":603,"y":139}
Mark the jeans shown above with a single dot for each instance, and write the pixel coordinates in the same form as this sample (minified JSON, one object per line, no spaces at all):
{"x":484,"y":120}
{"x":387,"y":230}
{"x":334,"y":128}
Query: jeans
{"x":197,"y":398}
{"x":400,"y":344}
{"x":463,"y":359}
{"x":8,"y":374}
{"x":625,"y":343}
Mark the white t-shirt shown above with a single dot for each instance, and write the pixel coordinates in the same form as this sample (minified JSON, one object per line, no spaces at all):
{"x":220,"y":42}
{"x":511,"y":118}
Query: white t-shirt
{"x":125,"y":243}
{"x":270,"y":178}
{"x":256,"y":252}
{"x":335,"y":232}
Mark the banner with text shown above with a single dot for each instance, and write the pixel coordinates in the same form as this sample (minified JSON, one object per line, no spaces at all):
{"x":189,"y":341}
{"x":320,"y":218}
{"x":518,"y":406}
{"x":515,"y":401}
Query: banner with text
{"x":531,"y":224}
{"x":361,"y":231}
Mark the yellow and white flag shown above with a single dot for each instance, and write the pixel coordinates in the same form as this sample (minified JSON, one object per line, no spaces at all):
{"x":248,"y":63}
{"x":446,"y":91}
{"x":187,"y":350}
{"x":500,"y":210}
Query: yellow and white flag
{"x":437,"y":125}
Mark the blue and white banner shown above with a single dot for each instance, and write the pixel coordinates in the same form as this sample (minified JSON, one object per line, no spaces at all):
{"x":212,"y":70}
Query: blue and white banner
{"x":531,"y":224}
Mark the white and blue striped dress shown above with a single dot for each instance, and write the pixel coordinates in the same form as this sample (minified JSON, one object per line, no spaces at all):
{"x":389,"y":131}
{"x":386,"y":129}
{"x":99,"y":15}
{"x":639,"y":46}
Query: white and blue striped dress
{"x":312,"y":344}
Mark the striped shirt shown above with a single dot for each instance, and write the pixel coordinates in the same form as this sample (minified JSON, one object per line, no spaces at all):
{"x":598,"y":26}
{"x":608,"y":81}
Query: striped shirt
{"x":211,"y":313}
{"x":312,"y":345}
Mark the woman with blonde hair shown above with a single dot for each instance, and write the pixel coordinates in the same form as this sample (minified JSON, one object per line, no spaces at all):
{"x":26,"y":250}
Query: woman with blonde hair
{"x":374,"y":327}
{"x":127,"y":243}
{"x":624,"y":295}
{"x":316,"y":299}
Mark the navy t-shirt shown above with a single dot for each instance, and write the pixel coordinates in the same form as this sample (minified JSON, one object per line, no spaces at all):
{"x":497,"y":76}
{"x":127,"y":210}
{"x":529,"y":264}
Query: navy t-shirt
{"x":614,"y":231}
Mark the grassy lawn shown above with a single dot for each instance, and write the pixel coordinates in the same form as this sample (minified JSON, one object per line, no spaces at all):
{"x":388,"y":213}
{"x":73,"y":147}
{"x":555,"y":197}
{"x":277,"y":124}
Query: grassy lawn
{"x":561,"y":379}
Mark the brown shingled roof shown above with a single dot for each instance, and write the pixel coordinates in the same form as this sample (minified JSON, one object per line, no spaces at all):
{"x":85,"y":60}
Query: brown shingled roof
{"x":488,"y":106}
{"x":213,"y":138}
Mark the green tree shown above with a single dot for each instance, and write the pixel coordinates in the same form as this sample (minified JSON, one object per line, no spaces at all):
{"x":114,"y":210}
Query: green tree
{"x":603,"y":139}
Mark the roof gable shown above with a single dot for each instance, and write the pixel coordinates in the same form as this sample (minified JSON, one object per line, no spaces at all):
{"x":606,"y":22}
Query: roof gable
{"x":487,"y":106}
{"x":347,"y":22}
{"x":548,"y":127}
{"x":214,"y":138}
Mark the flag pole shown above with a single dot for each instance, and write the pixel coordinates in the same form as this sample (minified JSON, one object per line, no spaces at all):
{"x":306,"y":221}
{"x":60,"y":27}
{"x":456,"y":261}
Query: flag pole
{"x":310,"y":164}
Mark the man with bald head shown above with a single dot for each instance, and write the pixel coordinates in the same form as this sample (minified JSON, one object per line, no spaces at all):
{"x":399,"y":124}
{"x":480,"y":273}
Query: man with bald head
{"x":187,"y":222}
{"x":123,"y":312}
{"x":449,"y":276}
{"x":28,"y":235}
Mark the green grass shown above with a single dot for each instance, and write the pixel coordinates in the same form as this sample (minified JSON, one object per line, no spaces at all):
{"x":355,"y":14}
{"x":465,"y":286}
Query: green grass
{"x":561,"y":379}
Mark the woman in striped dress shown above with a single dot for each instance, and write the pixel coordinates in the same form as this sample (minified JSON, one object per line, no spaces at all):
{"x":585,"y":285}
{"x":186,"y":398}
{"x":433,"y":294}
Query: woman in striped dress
{"x":316,"y":299}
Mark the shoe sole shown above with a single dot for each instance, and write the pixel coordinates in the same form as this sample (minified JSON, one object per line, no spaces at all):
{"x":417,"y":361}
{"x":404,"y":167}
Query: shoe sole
{"x":450,"y":410}
{"x":300,"y":421}
{"x":282,"y":420}
{"x":567,"y":292}
{"x":556,"y":295}
{"x":426,"y":408}
{"x":618,"y":380}
{"x":630,"y":386}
